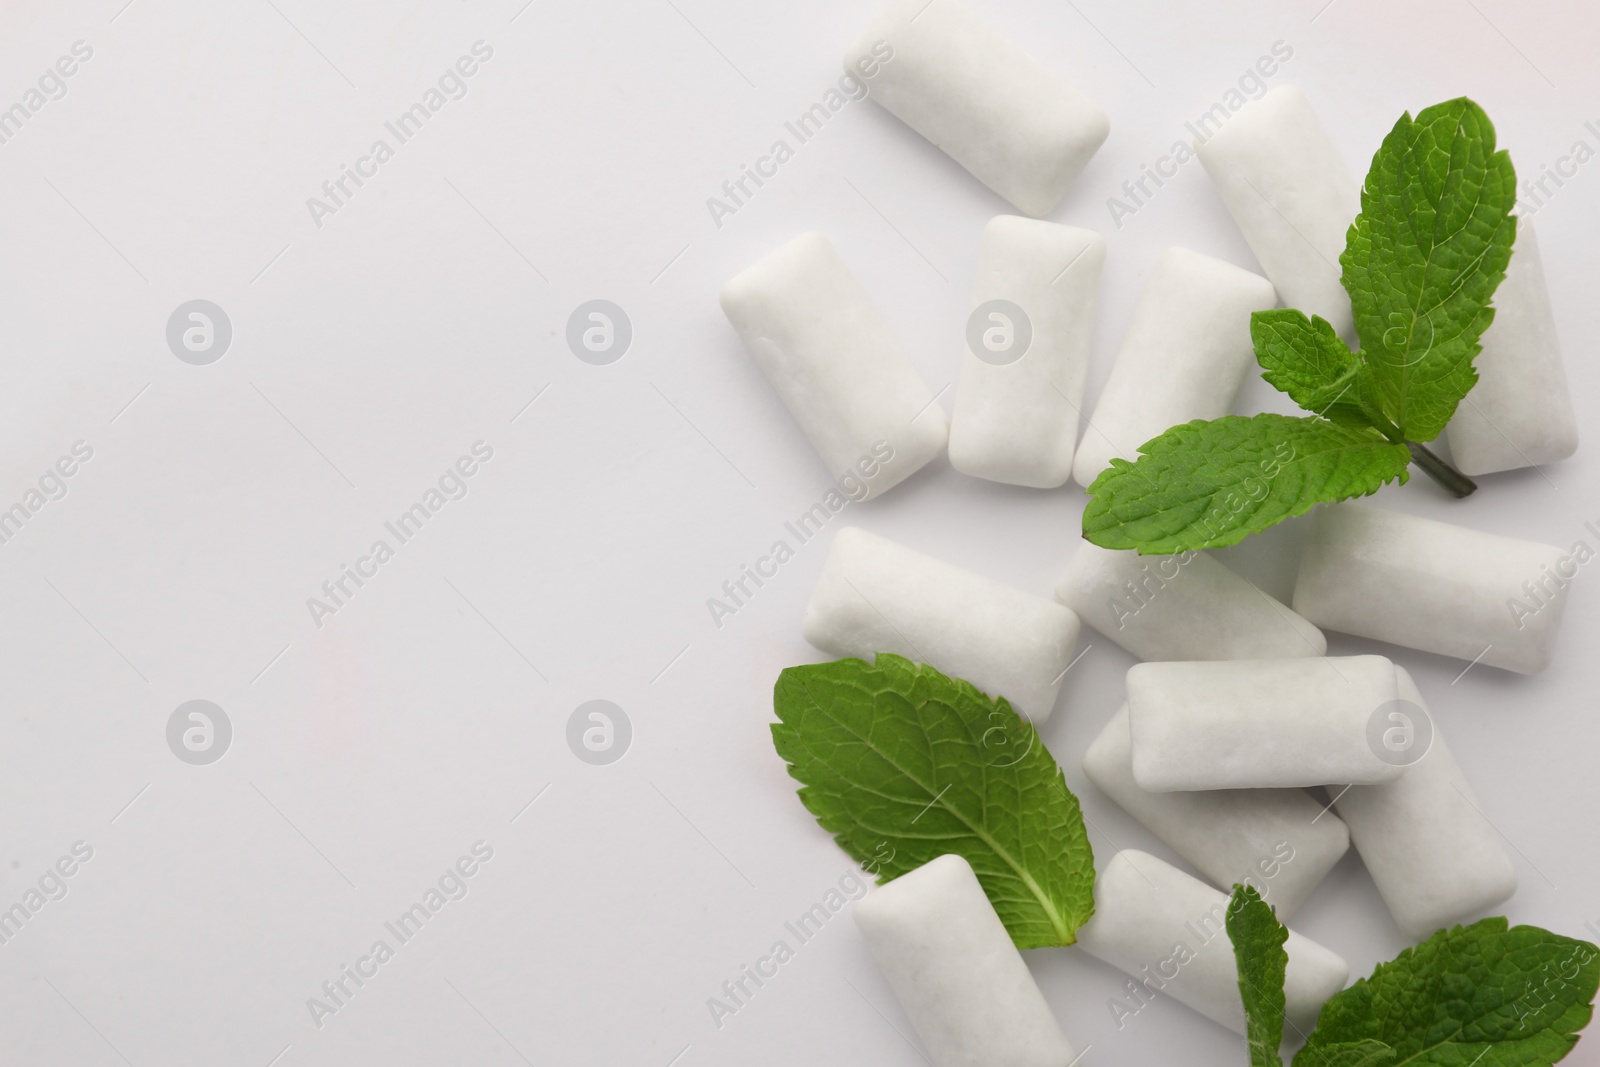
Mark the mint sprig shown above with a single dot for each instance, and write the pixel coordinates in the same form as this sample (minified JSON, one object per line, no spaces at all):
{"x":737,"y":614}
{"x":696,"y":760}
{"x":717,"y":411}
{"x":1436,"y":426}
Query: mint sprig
{"x":1421,"y":263}
{"x":1485,"y":994}
{"x":1258,"y":939}
{"x":902,"y":765}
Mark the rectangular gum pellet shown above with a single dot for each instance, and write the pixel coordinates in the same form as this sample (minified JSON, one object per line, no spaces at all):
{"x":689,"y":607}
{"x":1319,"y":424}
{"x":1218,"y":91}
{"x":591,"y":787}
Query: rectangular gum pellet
{"x":1167,"y":930}
{"x":1280,"y":841}
{"x":1186,"y":606}
{"x":815,"y":334}
{"x":956,"y":973}
{"x":1184,"y":357}
{"x":1435,"y":857}
{"x":878,"y":596}
{"x":1004,"y":116}
{"x":1020,"y":388}
{"x":1520,"y":412}
{"x":1257,"y":724}
{"x":1433,"y":586}
{"x":1292,"y":197}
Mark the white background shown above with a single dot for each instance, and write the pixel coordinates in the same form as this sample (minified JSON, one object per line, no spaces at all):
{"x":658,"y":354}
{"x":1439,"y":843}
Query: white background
{"x":370,"y":352}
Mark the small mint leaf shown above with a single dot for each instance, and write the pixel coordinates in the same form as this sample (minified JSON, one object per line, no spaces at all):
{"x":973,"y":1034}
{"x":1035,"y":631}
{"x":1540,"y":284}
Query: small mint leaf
{"x":1480,"y":994}
{"x":902,"y":765}
{"x":1424,"y":257}
{"x":1306,"y":359}
{"x":1210,"y":484}
{"x":1258,"y":939}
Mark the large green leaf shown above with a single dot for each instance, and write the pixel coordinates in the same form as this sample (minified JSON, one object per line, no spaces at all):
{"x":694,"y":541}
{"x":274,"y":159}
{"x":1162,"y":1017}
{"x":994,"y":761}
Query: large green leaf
{"x":902,"y":765}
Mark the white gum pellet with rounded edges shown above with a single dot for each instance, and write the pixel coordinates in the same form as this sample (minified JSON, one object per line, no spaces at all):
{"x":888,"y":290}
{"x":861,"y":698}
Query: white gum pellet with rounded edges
{"x":1292,"y":197}
{"x":1012,"y":122}
{"x":1258,"y":724}
{"x":957,"y":974}
{"x":878,"y":596}
{"x":1020,"y":390}
{"x":1280,"y":841}
{"x":1436,"y":859}
{"x":1184,"y":357}
{"x":1433,"y":586}
{"x":1186,"y":606}
{"x":1520,"y":412}
{"x":1167,"y":930}
{"x":815,"y":334}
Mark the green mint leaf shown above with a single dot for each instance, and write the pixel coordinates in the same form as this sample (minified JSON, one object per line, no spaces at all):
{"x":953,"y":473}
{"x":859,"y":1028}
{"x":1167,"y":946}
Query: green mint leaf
{"x":1210,"y":484}
{"x":1306,"y":359}
{"x":902,"y":765}
{"x":1424,"y":257}
{"x":1480,"y":994}
{"x":1366,"y":1053}
{"x":1258,"y":939}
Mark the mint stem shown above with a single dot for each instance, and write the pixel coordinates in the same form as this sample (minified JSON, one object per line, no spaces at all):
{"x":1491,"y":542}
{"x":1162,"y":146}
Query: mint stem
{"x":1453,"y":480}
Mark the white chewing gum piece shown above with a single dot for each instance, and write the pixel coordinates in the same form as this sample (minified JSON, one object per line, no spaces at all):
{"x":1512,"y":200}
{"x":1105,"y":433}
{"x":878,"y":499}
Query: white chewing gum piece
{"x":1280,"y":841}
{"x":1434,"y":586}
{"x":1520,"y":412}
{"x":878,"y":596}
{"x":815,"y":334}
{"x":1185,"y":606}
{"x":1020,"y":390}
{"x":1435,"y":857}
{"x":1012,"y":122}
{"x":1258,"y":724}
{"x":1184,"y":357}
{"x":1167,"y":930}
{"x":957,"y":974}
{"x":1292,"y":197}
